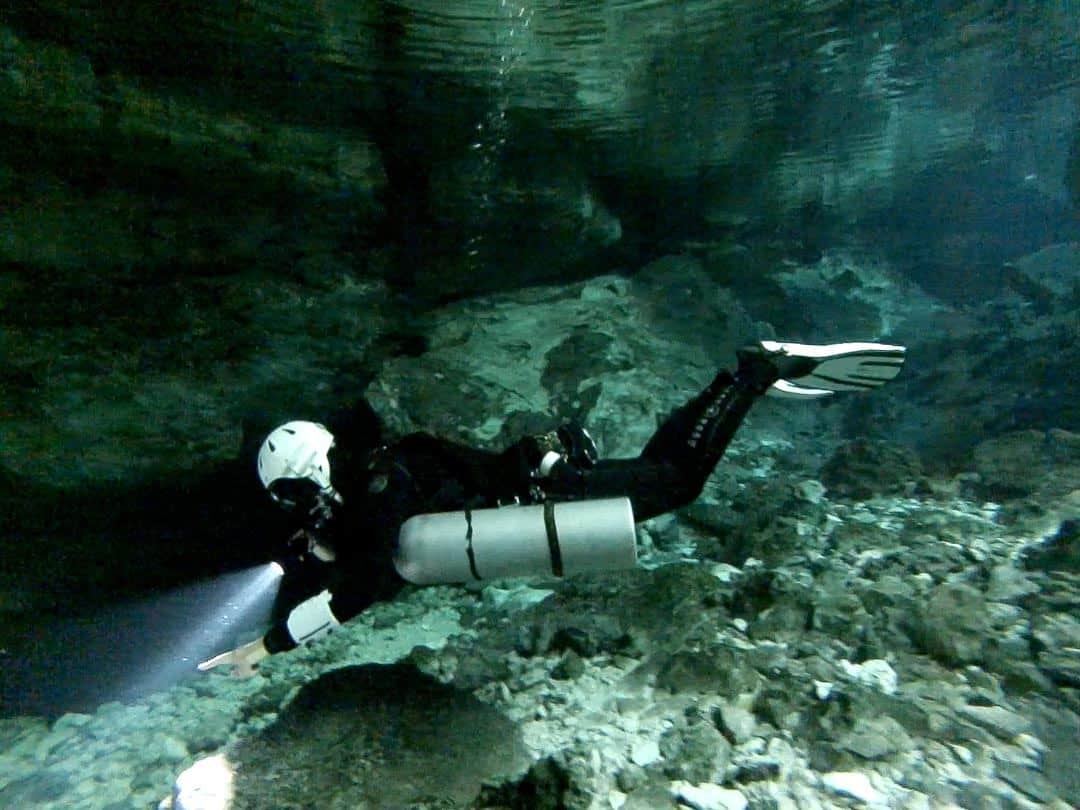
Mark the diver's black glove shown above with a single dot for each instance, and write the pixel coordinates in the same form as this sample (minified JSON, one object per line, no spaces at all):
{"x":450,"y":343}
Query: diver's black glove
{"x":578,"y":446}
{"x":554,"y":462}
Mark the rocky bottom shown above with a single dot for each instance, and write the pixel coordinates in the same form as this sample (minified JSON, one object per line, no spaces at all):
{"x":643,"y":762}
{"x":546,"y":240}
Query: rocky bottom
{"x":918,"y":650}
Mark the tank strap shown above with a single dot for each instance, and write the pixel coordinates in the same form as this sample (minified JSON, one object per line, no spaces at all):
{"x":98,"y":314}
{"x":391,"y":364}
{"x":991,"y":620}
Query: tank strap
{"x":469,"y":548}
{"x":553,"y":538}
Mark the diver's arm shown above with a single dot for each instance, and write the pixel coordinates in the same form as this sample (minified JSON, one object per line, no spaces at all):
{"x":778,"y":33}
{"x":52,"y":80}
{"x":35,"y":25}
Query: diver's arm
{"x":309,"y":621}
{"x":244,"y":660}
{"x":314,"y":618}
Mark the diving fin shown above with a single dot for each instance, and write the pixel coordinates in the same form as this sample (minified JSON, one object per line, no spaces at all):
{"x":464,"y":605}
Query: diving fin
{"x":782,"y":389}
{"x":809,"y":371}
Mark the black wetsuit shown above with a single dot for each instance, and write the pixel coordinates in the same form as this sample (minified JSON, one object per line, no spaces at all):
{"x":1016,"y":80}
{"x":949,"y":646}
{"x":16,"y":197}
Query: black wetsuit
{"x":421,"y":473}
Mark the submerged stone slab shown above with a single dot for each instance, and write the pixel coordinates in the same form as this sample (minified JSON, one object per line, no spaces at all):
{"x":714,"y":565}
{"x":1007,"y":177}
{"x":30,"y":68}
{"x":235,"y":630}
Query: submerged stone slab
{"x":853,"y":784}
{"x":1028,"y":781}
{"x":999,"y":721}
{"x":876,"y":738}
{"x":861,"y":469}
{"x":875,"y":673}
{"x":952,"y":626}
{"x":377,"y":737}
{"x":708,"y":796}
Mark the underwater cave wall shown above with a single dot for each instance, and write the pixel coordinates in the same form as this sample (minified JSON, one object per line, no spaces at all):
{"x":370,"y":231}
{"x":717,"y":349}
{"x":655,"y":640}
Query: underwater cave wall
{"x":215,"y":218}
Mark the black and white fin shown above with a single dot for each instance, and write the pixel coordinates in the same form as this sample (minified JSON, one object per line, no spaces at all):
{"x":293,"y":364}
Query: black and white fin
{"x":834,"y":367}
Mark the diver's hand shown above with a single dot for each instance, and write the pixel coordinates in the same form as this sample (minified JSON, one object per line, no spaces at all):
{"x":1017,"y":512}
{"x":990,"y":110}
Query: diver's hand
{"x":244,"y":660}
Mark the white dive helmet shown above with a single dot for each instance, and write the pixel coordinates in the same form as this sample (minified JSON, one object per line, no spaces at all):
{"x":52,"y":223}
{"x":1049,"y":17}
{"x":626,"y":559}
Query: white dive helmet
{"x":296,"y":450}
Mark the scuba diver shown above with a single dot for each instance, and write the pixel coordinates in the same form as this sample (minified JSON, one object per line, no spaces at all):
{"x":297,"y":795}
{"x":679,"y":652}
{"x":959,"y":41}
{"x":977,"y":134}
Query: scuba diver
{"x":424,"y":510}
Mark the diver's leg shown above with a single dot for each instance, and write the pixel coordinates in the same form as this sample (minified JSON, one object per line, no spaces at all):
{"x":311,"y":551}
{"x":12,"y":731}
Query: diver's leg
{"x":695,"y":436}
{"x":672,"y":469}
{"x":676,"y":462}
{"x":652,"y":487}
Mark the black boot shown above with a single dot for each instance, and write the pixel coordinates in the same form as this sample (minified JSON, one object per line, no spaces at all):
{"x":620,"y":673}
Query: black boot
{"x":760,"y":368}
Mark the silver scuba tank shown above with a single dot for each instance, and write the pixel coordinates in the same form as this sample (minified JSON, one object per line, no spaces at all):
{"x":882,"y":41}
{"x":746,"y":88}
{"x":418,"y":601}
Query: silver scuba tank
{"x":556,"y":539}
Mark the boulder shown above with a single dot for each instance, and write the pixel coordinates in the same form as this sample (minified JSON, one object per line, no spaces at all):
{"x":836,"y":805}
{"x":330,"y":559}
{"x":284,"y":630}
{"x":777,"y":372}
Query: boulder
{"x":952,"y":624}
{"x":861,"y":469}
{"x":376,"y":736}
{"x":1055,"y":269}
{"x":852,"y":784}
{"x":546,"y":785}
{"x":707,"y":796}
{"x":1026,"y":780}
{"x":875,"y":738}
{"x":696,"y":752}
{"x":717,"y":668}
{"x":1021,"y":463}
{"x":1058,"y":639}
{"x":997,"y":720}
